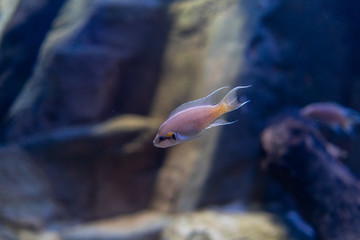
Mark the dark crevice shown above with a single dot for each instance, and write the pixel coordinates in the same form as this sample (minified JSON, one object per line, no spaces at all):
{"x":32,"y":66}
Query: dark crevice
{"x":19,"y":48}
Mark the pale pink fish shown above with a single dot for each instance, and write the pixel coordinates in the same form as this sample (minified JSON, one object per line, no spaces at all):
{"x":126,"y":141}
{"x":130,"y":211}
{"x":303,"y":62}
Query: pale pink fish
{"x":333,"y":115}
{"x":191,"y":119}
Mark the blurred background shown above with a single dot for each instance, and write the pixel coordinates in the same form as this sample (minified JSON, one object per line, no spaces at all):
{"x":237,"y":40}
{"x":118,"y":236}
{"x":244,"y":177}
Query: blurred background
{"x":85,"y":84}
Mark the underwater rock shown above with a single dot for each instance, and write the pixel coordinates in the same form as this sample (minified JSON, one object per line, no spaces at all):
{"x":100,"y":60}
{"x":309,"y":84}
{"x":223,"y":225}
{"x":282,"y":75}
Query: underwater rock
{"x":232,"y":161}
{"x":211,"y":225}
{"x":104,"y":58}
{"x":100,"y":59}
{"x":89,"y":62}
{"x":140,"y":226}
{"x":100,"y":170}
{"x":7,"y":9}
{"x":298,"y":49}
{"x":204,"y":52}
{"x":26,"y":197}
{"x":7,"y":233}
{"x":326,"y":192}
{"x":24,"y":234}
{"x":23,"y":27}
{"x":301,"y":52}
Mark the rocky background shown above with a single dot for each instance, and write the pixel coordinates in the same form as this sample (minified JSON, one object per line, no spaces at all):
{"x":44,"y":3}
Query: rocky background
{"x":84,"y":85}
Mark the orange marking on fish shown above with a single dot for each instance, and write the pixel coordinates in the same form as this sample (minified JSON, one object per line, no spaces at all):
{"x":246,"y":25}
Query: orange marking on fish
{"x":221,"y":109}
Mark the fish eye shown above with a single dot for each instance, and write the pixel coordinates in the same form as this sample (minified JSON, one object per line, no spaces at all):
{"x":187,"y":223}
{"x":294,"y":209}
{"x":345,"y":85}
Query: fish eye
{"x":161,"y":138}
{"x":173,"y":136}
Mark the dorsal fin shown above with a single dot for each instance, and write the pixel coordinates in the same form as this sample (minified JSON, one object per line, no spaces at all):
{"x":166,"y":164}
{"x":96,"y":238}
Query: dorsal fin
{"x":211,"y":99}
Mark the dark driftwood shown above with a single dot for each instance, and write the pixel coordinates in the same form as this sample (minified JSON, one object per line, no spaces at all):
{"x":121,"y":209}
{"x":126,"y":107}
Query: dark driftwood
{"x":327,"y":194}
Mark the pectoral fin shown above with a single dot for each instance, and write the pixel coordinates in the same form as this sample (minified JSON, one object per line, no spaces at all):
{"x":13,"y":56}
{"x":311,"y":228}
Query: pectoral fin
{"x":220,"y":122}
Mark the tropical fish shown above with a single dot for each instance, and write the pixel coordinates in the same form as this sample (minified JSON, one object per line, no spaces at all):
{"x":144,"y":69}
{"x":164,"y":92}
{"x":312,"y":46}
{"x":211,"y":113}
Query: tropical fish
{"x":337,"y":117}
{"x":191,"y":119}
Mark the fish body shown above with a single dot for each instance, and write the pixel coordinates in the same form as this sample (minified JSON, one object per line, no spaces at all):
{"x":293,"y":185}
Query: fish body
{"x":190,"y":120}
{"x":338,"y":117}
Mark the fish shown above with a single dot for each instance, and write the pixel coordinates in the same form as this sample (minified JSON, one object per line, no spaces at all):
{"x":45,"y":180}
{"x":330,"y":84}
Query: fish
{"x":337,"y":117}
{"x":190,"y":120}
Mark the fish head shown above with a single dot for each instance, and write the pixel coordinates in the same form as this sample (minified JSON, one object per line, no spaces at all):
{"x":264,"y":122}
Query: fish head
{"x":164,"y":139}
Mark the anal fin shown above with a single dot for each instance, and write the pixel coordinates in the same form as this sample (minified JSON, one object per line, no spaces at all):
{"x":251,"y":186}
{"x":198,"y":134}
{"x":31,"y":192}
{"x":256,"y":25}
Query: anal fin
{"x":220,"y":122}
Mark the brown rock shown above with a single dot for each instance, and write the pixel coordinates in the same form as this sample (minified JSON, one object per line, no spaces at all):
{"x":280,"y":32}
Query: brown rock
{"x":212,"y":225}
{"x":204,"y":53}
{"x":144,"y":225}
{"x":23,"y":26}
{"x":88,"y":64}
{"x":26,"y":196}
{"x":326,"y":192}
{"x":100,"y":170}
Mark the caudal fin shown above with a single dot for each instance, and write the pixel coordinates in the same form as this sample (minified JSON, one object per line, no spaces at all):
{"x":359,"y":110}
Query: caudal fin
{"x":230,"y":102}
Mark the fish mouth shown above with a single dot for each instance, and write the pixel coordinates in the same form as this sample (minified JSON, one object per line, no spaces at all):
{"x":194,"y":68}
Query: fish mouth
{"x":154,"y":143}
{"x":157,"y":144}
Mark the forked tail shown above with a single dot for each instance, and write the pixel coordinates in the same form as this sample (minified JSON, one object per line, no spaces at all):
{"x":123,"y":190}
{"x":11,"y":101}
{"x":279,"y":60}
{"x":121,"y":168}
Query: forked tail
{"x":230,"y":102}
